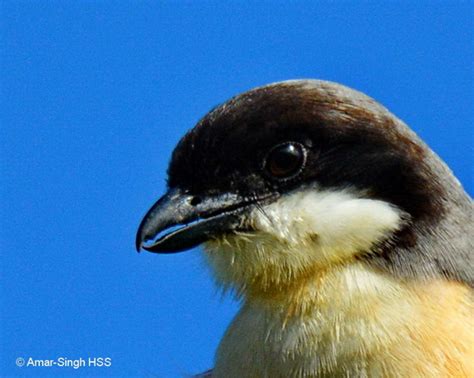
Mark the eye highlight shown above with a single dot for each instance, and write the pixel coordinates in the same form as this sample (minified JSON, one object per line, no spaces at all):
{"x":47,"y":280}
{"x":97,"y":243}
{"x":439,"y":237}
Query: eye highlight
{"x":285,"y":160}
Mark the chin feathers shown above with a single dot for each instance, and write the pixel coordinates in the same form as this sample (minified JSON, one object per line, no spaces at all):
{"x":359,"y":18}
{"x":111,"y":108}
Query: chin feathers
{"x":300,"y":234}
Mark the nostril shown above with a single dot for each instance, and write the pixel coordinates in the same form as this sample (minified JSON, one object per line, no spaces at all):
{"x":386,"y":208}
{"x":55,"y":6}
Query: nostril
{"x":195,"y":201}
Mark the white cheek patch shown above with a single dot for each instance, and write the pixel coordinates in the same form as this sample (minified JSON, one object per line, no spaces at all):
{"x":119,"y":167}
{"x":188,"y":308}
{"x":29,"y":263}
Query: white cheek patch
{"x":339,"y":220}
{"x":306,"y":230}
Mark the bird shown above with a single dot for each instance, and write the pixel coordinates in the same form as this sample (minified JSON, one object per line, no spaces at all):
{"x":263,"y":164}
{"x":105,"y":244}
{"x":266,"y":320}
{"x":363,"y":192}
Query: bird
{"x":345,"y":238}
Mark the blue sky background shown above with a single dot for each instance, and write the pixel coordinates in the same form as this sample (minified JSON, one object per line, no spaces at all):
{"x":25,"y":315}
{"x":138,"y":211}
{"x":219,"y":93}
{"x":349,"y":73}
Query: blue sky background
{"x":95,"y":95}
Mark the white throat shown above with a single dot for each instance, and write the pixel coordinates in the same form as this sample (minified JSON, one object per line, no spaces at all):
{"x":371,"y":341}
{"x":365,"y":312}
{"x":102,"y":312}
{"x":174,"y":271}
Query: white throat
{"x":300,"y":234}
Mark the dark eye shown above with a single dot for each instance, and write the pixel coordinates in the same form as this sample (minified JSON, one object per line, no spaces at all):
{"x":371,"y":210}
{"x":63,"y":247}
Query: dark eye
{"x":285,"y":160}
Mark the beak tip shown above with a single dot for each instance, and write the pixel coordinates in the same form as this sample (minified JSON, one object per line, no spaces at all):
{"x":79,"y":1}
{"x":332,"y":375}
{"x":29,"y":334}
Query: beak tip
{"x":138,"y":244}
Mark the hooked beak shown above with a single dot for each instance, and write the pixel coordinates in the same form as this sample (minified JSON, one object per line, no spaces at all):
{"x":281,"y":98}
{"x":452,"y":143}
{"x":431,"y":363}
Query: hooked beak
{"x":180,"y":221}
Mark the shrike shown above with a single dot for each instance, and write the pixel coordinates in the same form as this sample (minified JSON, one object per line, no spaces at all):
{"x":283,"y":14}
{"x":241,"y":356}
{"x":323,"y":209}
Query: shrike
{"x":348,"y":240}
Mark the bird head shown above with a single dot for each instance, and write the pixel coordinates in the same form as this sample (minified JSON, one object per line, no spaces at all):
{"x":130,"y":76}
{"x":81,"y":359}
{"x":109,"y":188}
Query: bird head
{"x":293,"y":178}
